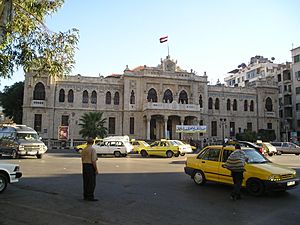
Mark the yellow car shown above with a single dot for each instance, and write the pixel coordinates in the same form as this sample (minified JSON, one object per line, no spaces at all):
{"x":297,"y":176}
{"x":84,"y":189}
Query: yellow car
{"x":79,"y":148}
{"x":260,"y":174}
{"x":138,"y":145}
{"x":166,"y":148}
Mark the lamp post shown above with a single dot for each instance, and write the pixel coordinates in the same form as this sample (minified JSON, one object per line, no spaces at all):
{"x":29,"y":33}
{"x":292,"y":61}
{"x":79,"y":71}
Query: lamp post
{"x":223,"y":125}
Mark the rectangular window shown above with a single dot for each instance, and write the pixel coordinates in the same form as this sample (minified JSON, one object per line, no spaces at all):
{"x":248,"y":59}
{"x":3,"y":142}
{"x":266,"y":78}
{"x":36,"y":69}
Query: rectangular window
{"x":232,"y":128}
{"x":296,"y":58}
{"x":297,"y":90}
{"x":131,"y":125}
{"x":298,"y":123}
{"x":249,"y":126}
{"x":298,"y":107}
{"x":111,"y":125}
{"x":38,"y":122}
{"x":279,"y":77}
{"x":214,"y":128}
{"x":269,"y":126}
{"x":65,"y":120}
{"x":297,"y":75}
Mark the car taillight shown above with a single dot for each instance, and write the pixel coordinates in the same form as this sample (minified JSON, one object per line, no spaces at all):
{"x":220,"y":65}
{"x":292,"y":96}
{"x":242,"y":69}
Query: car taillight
{"x":261,"y":150}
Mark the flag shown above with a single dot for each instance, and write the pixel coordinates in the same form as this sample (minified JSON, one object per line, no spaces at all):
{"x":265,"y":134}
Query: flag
{"x":163,"y":39}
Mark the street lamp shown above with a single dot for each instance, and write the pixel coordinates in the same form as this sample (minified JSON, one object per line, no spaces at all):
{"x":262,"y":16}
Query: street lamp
{"x":223,"y":125}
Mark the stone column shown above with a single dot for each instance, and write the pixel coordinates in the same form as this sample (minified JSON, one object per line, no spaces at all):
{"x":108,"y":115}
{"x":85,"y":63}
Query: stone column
{"x":148,"y":127}
{"x":166,"y":126}
{"x":181,"y":123}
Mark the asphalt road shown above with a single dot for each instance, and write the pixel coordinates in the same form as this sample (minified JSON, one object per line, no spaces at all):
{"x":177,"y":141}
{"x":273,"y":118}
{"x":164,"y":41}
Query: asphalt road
{"x":136,"y":190}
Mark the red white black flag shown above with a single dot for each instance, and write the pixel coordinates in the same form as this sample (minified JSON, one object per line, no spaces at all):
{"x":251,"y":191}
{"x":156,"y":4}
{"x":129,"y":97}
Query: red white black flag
{"x":163,"y":39}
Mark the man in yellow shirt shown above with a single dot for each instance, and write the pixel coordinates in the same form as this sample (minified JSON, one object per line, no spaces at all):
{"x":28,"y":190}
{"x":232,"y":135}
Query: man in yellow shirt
{"x":89,"y":170}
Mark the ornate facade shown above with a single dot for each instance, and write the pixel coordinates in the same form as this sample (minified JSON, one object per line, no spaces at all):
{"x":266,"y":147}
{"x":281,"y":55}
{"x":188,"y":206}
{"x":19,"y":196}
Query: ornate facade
{"x":148,"y":103}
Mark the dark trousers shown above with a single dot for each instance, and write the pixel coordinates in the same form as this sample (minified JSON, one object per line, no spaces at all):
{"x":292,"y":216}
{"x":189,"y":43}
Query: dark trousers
{"x":237,"y":178}
{"x":89,"y":180}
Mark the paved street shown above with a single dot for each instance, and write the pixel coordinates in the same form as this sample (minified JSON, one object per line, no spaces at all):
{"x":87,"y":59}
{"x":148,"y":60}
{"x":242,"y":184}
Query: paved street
{"x":135,"y":190}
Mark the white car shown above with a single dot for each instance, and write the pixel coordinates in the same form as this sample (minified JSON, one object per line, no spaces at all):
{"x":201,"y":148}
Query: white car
{"x":9,"y":173}
{"x":118,"y":147}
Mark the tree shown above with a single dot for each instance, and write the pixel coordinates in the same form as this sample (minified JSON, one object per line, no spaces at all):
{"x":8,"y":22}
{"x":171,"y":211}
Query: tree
{"x":92,"y":124}
{"x":11,"y":100}
{"x":26,"y":42}
{"x":247,"y":136}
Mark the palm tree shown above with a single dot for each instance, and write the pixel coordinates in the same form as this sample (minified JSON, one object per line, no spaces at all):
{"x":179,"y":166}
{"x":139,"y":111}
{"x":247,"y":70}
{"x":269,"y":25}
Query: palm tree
{"x":92,"y":125}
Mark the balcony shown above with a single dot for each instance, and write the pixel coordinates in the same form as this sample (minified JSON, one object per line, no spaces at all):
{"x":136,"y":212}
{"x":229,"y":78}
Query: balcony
{"x":172,"y":106}
{"x":38,"y":103}
{"x":270,"y":114}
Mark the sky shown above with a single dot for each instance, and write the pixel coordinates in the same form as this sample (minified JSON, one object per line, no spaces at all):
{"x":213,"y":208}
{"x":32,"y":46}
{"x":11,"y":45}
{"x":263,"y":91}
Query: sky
{"x":207,"y":36}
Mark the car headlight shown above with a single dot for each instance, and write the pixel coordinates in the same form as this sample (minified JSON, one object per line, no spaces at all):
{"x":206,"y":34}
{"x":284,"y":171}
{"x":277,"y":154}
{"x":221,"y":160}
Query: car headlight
{"x":21,"y":147}
{"x":275,"y":177}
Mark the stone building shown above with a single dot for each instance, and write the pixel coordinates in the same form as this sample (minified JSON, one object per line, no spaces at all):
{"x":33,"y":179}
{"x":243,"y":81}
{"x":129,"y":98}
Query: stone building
{"x":148,"y":103}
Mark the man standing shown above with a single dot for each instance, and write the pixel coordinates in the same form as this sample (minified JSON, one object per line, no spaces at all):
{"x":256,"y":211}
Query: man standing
{"x":89,"y":170}
{"x":236,"y":164}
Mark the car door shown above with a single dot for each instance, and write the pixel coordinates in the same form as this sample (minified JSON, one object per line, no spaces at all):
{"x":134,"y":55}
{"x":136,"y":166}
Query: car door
{"x":295,"y":149}
{"x":102,"y":147}
{"x":209,"y":163}
{"x":225,"y":174}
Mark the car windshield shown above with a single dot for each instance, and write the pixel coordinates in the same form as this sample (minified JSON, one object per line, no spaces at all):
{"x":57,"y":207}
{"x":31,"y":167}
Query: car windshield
{"x":255,"y":157}
{"x":145,"y":143}
{"x":27,"y":136}
{"x":176,"y":143}
{"x":179,"y":142}
{"x":294,"y":145}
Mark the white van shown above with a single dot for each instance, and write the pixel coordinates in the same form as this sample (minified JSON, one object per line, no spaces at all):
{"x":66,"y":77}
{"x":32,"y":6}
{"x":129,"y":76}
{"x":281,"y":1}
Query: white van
{"x":20,"y":140}
{"x":114,"y":146}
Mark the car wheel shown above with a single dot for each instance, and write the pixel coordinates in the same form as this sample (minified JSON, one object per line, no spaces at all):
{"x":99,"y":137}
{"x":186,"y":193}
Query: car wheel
{"x":255,"y":187}
{"x":3,"y":182}
{"x":199,"y":177}
{"x":182,"y":154}
{"x":39,"y":156}
{"x":169,"y":154}
{"x":270,"y":153}
{"x":144,"y":153}
{"x":14,"y":154}
{"x":124,"y":155}
{"x":279,"y":152}
{"x":177,"y":154}
{"x":117,"y":154}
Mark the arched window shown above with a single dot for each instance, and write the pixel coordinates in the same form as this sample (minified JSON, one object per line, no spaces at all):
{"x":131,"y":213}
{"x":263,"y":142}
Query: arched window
{"x":39,"y":92}
{"x":228,"y":105}
{"x":210,"y":103}
{"x":200,"y":101}
{"x":132,"y":97}
{"x":85,"y":97}
{"x":152,"y":95}
{"x":168,"y":96}
{"x":183,"y":97}
{"x":234,"y":106}
{"x":245,"y":105}
{"x":71,"y":96}
{"x":108,"y":98}
{"x":116,"y":98}
{"x":269,"y":105}
{"x":252,"y":106}
{"x":94,"y":97}
{"x":217,"y":104}
{"x":61,"y":97}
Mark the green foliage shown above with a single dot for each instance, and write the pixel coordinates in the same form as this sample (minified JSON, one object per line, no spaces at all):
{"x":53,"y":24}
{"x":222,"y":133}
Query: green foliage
{"x":92,"y":124}
{"x":26,"y":42}
{"x":11,"y":99}
{"x":266,"y":135}
{"x":247,"y":136}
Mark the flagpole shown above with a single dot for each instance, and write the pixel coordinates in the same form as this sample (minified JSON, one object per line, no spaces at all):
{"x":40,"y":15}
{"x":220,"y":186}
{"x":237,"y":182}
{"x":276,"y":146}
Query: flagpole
{"x":168,"y":51}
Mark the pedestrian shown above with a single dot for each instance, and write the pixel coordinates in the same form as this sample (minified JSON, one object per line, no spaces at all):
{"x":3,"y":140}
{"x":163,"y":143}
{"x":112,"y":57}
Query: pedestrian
{"x":236,"y":164}
{"x":89,"y":170}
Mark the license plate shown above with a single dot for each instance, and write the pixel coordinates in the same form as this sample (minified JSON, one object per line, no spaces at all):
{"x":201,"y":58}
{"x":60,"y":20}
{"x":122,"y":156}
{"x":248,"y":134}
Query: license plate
{"x":290,"y":183}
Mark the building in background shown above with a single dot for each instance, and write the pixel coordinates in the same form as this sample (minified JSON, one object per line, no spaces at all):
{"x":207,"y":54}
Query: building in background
{"x":148,"y":102}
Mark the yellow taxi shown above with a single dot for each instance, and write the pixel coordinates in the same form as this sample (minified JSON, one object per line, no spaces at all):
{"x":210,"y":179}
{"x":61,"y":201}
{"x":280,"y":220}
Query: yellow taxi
{"x":260,"y":174}
{"x":138,"y":145}
{"x":166,"y":148}
{"x":79,"y":148}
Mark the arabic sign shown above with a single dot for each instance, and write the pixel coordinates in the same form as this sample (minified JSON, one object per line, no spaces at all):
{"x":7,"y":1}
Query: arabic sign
{"x":190,"y":129}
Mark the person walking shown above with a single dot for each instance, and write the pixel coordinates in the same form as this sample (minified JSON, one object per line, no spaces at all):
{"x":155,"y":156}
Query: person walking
{"x":236,"y":164}
{"x":89,"y":170}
